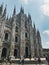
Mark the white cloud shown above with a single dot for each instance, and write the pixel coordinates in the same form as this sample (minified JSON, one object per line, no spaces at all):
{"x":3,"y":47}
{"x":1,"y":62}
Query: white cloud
{"x":47,"y":42}
{"x":45,"y":7}
{"x":46,"y":32}
{"x":25,"y":1}
{"x":46,"y":1}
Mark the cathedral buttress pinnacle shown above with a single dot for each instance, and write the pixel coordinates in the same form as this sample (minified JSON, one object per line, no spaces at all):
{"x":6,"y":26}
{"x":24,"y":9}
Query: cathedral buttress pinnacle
{"x":21,"y":10}
{"x":14,"y":11}
{"x":1,"y":9}
{"x":4,"y":13}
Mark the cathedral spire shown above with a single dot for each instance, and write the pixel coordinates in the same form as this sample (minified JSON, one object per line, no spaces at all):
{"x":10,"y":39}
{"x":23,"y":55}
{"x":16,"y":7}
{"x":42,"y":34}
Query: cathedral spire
{"x":29,"y":19}
{"x":1,"y":8}
{"x":21,"y":10}
{"x":29,"y":16}
{"x":4,"y":13}
{"x":14,"y":11}
{"x":38,"y":33}
{"x":34,"y":26}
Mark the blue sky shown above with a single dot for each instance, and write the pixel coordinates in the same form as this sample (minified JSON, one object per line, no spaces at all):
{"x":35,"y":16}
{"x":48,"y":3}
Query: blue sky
{"x":39,"y":10}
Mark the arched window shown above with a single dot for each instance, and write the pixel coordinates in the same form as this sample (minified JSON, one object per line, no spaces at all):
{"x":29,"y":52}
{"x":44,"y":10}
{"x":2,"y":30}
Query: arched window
{"x":6,"y":36}
{"x":4,"y":52}
{"x":26,"y":35}
{"x":16,"y":29}
{"x":15,"y":53}
{"x":16,"y":39}
{"x":26,"y":52}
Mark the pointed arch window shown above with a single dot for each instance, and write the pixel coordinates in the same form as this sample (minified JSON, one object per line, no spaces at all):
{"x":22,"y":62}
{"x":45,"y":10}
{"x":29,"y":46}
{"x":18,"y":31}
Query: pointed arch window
{"x":26,"y":35}
{"x":26,"y":52}
{"x":4,"y":52}
{"x":16,"y":39}
{"x":6,"y":36}
{"x":16,"y":29}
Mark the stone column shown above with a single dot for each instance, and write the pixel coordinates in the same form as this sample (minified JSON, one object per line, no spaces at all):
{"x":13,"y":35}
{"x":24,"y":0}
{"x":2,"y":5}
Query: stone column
{"x":13,"y":38}
{"x":22,"y":42}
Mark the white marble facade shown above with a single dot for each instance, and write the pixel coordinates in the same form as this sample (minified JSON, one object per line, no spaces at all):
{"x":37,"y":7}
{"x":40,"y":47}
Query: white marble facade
{"x":18,"y":38}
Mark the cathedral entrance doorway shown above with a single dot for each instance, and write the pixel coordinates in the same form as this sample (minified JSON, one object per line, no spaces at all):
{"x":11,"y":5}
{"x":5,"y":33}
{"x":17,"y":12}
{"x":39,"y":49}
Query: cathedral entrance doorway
{"x":15,"y":53}
{"x":26,"y":52}
{"x":4,"y":52}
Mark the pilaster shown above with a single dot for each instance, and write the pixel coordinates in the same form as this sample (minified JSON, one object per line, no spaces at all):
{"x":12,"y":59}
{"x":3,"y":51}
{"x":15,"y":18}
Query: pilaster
{"x":37,"y":47}
{"x":22,"y":42}
{"x":2,"y":35}
{"x":13,"y":38}
{"x":31,"y":42}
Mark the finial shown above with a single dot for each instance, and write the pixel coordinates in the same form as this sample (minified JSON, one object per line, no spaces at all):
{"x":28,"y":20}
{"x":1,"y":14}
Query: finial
{"x":14,"y":11}
{"x":21,"y":10}
{"x":29,"y":16}
{"x":34,"y":25}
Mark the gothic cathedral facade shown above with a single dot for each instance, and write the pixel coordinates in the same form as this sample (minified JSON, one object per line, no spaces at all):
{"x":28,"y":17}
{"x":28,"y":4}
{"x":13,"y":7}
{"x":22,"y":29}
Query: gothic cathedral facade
{"x":17,"y":35}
